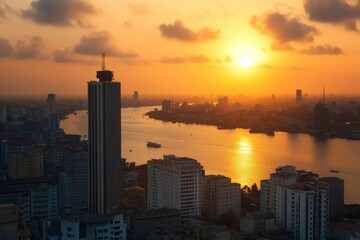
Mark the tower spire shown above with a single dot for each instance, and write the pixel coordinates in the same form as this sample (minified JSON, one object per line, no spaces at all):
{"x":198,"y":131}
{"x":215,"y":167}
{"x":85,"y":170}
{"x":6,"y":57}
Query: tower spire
{"x":103,"y":61}
{"x":324,"y":96}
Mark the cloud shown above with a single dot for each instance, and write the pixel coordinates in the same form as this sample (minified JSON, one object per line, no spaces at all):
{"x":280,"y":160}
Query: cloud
{"x":191,"y":59}
{"x":6,"y":50}
{"x":296,"y":68}
{"x":98,"y":42}
{"x":32,"y":49}
{"x":199,"y":59}
{"x":325,"y":49}
{"x":333,"y":11}
{"x":60,"y":12}
{"x":178,"y":31}
{"x":5,"y":10}
{"x":64,"y":56}
{"x":138,"y":9}
{"x":283,"y":28}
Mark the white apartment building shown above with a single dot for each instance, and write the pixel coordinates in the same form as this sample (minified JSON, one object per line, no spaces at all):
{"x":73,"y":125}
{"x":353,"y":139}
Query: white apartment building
{"x":303,"y":210}
{"x":175,"y":182}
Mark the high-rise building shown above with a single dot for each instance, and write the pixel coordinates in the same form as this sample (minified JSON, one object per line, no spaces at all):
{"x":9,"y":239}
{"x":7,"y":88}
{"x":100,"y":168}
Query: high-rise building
{"x":30,"y":164}
{"x":334,"y":186}
{"x":51,"y":113}
{"x":175,"y":182}
{"x":2,"y":113}
{"x":9,"y":222}
{"x":283,"y":176}
{"x":321,"y":118}
{"x":166,"y":106}
{"x":299,"y":96}
{"x":264,"y":195}
{"x":105,"y":165}
{"x":220,"y":196}
{"x":303,"y":210}
{"x":50,"y":104}
{"x":135,"y":97}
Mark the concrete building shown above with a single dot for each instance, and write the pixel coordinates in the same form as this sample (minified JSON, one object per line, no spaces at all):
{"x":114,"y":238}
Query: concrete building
{"x":175,"y":182}
{"x":135,"y":97}
{"x":166,"y":106}
{"x":334,"y":186}
{"x":303,"y":210}
{"x":9,"y":222}
{"x":2,"y":113}
{"x":264,"y":195}
{"x":220,"y":196}
{"x":284,"y":176}
{"x":321,"y":118}
{"x":26,"y":165}
{"x":50,"y":104}
{"x":299,"y":97}
{"x":105,"y":165}
{"x":87,"y":227}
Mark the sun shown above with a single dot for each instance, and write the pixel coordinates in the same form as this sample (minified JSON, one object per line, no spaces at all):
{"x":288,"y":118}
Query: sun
{"x":246,"y":56}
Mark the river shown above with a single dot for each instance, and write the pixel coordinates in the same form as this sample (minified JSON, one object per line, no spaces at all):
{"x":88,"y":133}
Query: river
{"x":245,"y":158}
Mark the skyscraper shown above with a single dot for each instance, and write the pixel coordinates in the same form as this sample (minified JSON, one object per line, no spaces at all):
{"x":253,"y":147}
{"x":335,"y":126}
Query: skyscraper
{"x":321,"y":118}
{"x":105,"y":166}
{"x":51,"y":113}
{"x":298,"y":96}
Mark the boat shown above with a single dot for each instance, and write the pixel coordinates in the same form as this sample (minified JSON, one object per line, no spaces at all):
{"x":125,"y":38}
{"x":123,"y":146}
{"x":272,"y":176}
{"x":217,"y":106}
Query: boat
{"x":334,"y":171}
{"x":270,"y":133}
{"x":130,"y":150}
{"x":153,"y":145}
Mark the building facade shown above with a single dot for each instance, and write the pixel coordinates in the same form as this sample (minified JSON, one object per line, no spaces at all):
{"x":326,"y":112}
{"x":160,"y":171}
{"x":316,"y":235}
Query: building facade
{"x":334,"y":186}
{"x":303,"y":210}
{"x":175,"y":182}
{"x":220,"y":196}
{"x":105,"y":165}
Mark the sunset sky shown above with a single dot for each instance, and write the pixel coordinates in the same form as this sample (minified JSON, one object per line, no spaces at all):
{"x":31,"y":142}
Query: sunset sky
{"x":180,"y":47}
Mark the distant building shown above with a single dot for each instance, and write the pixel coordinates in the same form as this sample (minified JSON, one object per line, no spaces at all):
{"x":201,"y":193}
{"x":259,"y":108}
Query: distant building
{"x":175,"y":182}
{"x":30,"y":164}
{"x":220,"y":196}
{"x":135,"y":97}
{"x":166,"y":106}
{"x":223,"y":102}
{"x":303,"y":210}
{"x":321,"y":118}
{"x":299,"y":97}
{"x":335,"y":189}
{"x":51,"y":113}
{"x":105,"y":165}
{"x":94,"y":227}
{"x":9,"y":222}
{"x":2,"y":113}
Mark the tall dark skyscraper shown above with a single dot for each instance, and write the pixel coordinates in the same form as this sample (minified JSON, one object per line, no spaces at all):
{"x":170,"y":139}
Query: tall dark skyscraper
{"x":298,"y":96}
{"x":105,"y":165}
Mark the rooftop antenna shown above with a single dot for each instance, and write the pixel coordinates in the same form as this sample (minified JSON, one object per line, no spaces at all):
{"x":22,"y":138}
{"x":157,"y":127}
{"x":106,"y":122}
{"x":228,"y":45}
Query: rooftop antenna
{"x":103,"y":61}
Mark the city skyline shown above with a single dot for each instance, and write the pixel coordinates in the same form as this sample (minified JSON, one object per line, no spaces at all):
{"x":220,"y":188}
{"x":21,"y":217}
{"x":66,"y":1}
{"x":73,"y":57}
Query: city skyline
{"x":234,"y":47}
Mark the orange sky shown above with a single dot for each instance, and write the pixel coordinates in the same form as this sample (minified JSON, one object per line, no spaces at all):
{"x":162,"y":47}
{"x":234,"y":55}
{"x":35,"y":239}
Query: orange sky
{"x":180,"y":47}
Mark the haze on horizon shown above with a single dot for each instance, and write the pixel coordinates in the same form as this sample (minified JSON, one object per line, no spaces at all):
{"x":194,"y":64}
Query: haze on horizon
{"x":201,"y":47}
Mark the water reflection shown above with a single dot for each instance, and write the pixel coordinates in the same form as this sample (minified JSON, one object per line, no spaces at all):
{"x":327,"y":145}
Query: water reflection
{"x":244,"y":157}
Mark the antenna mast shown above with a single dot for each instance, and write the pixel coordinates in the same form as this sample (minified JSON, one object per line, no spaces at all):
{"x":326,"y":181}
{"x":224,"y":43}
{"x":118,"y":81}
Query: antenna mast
{"x":103,"y":61}
{"x":324,"y":96}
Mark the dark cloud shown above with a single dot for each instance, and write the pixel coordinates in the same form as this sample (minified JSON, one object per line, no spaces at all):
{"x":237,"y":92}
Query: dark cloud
{"x":281,"y":47}
{"x":64,"y":56}
{"x":60,"y":12}
{"x":323,"y":50}
{"x":178,"y":31}
{"x":138,"y":9}
{"x":98,"y":42}
{"x":31,"y":49}
{"x":283,"y":28}
{"x":333,"y":11}
{"x":6,"y":50}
